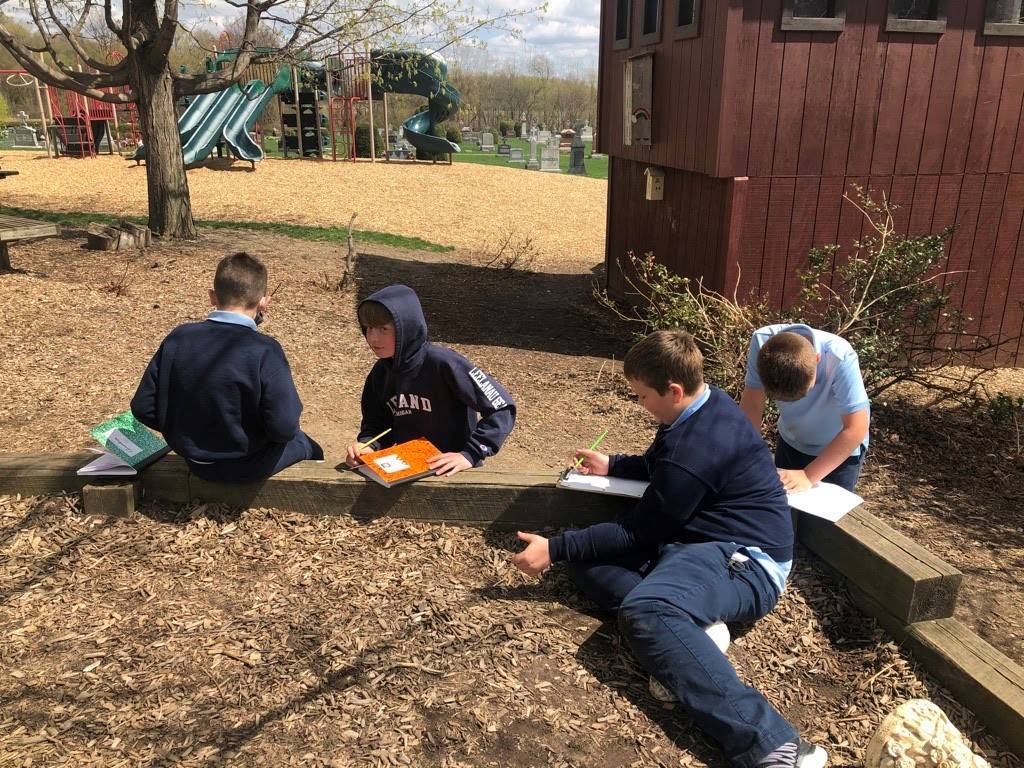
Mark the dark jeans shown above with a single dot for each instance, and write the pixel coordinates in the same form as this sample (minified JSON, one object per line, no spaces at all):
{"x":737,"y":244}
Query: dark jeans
{"x":845,"y":475}
{"x":663,"y":605}
{"x":262,"y":465}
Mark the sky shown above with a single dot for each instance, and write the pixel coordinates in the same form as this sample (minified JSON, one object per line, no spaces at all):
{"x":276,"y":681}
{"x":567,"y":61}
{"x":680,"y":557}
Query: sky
{"x":567,"y":34}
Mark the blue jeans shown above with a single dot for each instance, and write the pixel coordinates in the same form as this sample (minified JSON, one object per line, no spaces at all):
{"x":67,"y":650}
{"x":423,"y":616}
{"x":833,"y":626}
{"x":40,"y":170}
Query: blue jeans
{"x":845,"y":475}
{"x":664,"y":603}
{"x":260,"y":466}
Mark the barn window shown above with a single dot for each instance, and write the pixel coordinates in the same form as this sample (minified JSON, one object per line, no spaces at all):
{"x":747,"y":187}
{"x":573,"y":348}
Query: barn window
{"x":917,"y":16}
{"x":814,"y":15}
{"x":650,"y":31}
{"x":687,"y":19}
{"x":1004,"y":17}
{"x":623,"y":9}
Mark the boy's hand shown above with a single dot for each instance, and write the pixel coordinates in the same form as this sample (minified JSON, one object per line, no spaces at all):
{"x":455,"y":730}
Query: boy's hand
{"x":593,"y":463}
{"x":448,"y":464}
{"x":794,"y":480}
{"x":535,"y":559}
{"x":353,"y":452}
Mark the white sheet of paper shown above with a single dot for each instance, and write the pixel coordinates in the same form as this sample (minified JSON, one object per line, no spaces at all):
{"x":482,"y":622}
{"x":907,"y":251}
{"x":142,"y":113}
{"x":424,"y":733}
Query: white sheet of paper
{"x":107,"y":464}
{"x":825,"y":500}
{"x":614,"y":486}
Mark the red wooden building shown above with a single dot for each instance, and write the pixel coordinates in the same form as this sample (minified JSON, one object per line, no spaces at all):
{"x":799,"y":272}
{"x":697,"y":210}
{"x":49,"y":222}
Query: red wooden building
{"x":761,"y":113}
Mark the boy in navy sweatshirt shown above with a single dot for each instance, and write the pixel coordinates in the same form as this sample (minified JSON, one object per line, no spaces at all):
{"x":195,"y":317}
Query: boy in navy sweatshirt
{"x":710,"y":541}
{"x":419,"y":389}
{"x":220,"y":392}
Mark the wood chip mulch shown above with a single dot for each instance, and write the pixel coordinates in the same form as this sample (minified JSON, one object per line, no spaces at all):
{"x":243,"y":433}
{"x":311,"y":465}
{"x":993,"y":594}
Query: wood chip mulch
{"x":201,"y":636}
{"x":463,"y":205}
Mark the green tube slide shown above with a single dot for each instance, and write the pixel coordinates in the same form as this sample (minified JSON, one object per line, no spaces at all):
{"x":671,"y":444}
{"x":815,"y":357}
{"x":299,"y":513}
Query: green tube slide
{"x":424,"y":75}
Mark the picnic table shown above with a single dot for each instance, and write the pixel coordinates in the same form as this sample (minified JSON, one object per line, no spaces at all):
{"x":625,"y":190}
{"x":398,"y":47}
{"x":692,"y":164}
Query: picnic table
{"x":15,"y":228}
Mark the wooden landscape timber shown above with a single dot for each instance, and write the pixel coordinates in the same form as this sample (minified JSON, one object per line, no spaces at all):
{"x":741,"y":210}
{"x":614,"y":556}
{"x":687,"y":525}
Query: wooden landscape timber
{"x":124,"y":236}
{"x":910,"y":591}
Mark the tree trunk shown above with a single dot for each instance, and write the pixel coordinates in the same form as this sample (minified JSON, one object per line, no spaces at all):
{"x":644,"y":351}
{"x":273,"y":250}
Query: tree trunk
{"x":5,"y":258}
{"x":170,"y":209}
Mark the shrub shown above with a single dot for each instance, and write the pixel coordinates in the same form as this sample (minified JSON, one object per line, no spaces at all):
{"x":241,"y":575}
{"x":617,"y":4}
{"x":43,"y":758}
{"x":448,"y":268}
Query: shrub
{"x":453,"y":135}
{"x":891,"y":300}
{"x":504,"y":128}
{"x":721,"y":326}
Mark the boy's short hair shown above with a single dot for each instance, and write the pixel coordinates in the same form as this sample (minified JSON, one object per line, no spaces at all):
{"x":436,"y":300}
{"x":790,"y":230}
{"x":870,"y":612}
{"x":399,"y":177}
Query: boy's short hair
{"x":240,"y":281}
{"x":373,"y":314}
{"x":786,"y":365}
{"x":666,"y":357}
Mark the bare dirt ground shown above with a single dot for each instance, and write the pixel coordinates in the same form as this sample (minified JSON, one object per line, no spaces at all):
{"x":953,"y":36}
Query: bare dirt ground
{"x":949,"y":478}
{"x":464,"y":205}
{"x":198,"y":637}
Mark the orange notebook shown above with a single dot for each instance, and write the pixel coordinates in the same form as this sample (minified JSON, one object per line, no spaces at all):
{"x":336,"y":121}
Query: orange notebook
{"x":400,"y":463}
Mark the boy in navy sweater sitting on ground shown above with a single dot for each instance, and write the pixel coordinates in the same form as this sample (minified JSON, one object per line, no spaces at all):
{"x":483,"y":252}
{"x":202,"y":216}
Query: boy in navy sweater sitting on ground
{"x":220,"y":392}
{"x":420,"y":389}
{"x":710,"y":541}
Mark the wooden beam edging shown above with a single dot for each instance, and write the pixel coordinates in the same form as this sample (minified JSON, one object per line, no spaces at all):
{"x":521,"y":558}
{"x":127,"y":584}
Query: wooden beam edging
{"x":910,"y":582}
{"x":980,"y":676}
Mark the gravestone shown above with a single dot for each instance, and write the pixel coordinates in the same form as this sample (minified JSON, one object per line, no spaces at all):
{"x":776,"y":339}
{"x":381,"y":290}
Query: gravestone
{"x":576,"y":166}
{"x":515,"y":155}
{"x":543,"y":135}
{"x":24,"y":135}
{"x":503,"y":149}
{"x":565,"y":139}
{"x":533,"y":164}
{"x":549,"y":159}
{"x":522,"y":130}
{"x":552,"y":141}
{"x":587,"y":134}
{"x":487,"y":142}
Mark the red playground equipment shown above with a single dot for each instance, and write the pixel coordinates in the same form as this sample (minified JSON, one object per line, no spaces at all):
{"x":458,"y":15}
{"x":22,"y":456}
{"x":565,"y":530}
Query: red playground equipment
{"x":80,"y":125}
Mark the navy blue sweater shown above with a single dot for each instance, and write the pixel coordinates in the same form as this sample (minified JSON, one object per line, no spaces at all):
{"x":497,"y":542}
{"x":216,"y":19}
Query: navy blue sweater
{"x":430,"y":391}
{"x":712,"y":479}
{"x":218,"y":391}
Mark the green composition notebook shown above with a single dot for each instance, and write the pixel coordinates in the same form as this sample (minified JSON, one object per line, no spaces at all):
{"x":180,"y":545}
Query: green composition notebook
{"x":128,"y":446}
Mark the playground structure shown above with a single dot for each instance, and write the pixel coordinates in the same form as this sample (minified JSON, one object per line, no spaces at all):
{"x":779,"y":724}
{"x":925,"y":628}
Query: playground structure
{"x":72,"y":124}
{"x":228,"y":116}
{"x":319,"y":105}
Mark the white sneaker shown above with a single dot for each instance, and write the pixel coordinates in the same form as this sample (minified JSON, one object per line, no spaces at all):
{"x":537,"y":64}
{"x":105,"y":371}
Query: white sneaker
{"x":810,"y":756}
{"x":719,"y":633}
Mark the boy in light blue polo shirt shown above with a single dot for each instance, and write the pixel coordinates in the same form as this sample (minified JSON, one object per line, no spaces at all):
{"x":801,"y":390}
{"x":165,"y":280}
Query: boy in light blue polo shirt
{"x":824,"y":414}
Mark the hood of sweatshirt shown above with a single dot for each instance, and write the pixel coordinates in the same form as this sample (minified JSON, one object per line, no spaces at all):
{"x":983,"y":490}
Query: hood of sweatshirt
{"x":411,"y":338}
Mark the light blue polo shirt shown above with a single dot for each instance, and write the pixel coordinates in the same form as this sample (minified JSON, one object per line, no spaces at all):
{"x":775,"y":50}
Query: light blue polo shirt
{"x":812,"y":422}
{"x":231,"y":318}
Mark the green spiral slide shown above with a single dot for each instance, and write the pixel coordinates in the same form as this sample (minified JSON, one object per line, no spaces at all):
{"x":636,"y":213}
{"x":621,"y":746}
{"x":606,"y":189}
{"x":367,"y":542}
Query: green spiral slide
{"x":424,"y":75}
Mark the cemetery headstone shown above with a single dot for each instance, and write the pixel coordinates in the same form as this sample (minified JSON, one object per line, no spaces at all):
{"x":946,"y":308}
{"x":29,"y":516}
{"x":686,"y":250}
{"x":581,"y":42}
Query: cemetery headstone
{"x":487,"y":142}
{"x":549,"y":159}
{"x":503,"y":149}
{"x":576,"y":166}
{"x":587,"y":134}
{"x":533,"y":164}
{"x":515,"y":155}
{"x":543,"y":135}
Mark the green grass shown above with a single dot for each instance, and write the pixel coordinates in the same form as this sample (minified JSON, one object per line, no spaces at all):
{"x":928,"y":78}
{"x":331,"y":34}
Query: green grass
{"x":298,"y":231}
{"x":597,"y":167}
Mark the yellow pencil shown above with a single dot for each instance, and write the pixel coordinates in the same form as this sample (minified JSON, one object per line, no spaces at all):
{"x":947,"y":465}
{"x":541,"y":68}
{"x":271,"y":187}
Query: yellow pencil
{"x":593,"y":445}
{"x":374,"y":439}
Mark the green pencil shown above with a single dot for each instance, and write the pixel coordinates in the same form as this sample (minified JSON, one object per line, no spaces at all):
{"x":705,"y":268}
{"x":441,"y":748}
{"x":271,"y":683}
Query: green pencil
{"x":593,"y":445}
